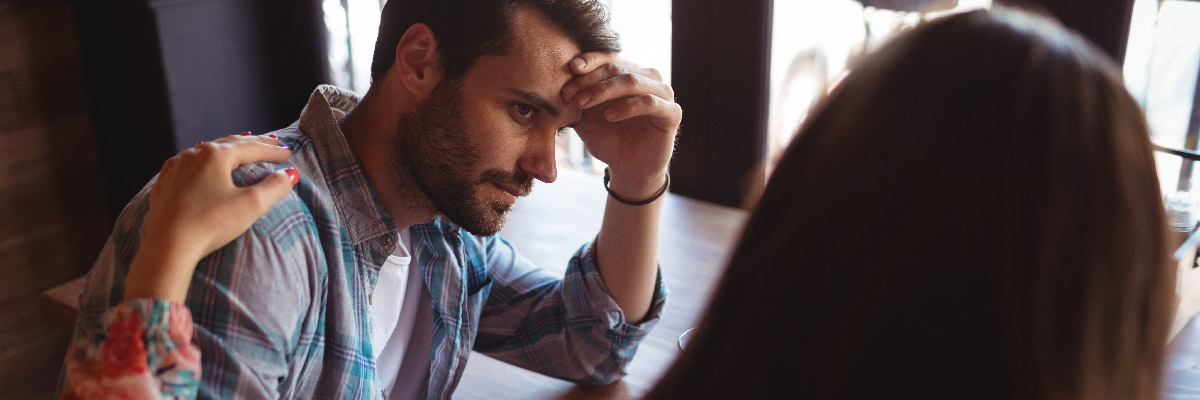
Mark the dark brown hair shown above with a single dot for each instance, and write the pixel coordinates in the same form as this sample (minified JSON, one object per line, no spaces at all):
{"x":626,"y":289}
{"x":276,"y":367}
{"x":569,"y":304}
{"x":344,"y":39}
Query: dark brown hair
{"x":973,"y":213}
{"x":469,"y":29}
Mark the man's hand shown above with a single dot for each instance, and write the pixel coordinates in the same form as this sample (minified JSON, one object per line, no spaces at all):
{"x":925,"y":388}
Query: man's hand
{"x":630,"y":119}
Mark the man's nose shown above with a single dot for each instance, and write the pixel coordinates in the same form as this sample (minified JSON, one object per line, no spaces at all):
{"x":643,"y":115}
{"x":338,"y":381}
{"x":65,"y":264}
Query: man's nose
{"x":538,"y":160}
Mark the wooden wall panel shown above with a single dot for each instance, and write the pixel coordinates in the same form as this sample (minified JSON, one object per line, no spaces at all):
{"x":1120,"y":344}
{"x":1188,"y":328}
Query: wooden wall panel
{"x":53,"y":211}
{"x":52,"y":204}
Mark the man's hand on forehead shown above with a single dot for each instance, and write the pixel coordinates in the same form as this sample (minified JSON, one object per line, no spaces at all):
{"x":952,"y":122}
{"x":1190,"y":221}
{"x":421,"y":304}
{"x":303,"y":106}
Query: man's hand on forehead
{"x":604,"y":77}
{"x":629,"y":115}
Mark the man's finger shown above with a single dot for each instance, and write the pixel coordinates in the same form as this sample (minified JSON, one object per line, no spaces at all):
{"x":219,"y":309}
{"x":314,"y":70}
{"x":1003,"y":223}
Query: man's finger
{"x":620,"y":86}
{"x":645,"y":105}
{"x":588,"y":62}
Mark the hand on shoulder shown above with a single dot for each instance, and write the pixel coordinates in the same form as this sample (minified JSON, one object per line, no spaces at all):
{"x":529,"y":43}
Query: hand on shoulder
{"x":195,"y":208}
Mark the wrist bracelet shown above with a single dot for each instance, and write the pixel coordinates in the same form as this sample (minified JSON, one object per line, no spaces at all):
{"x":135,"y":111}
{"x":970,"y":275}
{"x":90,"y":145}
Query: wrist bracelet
{"x":661,"y":190}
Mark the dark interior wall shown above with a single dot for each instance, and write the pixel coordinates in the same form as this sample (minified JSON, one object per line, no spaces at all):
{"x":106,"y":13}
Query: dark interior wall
{"x":216,"y":77}
{"x":53,"y":217}
{"x":165,"y":74}
{"x":122,"y":67}
{"x":53,"y":209}
{"x":721,"y":52}
{"x":296,"y":55}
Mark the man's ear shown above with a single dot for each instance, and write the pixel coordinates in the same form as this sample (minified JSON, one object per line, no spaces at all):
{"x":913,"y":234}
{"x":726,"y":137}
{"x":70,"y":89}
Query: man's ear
{"x":417,"y":61}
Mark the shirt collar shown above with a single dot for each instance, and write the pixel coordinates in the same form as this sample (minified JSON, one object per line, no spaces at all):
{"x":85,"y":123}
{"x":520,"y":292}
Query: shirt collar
{"x":360,"y":210}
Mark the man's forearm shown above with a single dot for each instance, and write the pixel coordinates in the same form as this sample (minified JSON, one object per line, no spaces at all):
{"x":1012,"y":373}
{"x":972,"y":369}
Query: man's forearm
{"x":627,"y":247}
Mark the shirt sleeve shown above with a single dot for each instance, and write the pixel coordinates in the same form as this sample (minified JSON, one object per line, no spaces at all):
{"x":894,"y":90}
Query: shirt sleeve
{"x":568,"y":328}
{"x":143,"y":351}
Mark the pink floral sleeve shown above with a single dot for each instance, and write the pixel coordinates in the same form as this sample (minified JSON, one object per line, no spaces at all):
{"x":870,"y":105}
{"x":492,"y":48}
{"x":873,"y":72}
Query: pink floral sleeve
{"x":144,"y":351}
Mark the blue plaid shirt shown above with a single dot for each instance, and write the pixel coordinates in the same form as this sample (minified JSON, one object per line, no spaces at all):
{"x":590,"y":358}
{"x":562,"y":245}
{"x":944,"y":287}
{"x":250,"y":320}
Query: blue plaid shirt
{"x":282,"y":312}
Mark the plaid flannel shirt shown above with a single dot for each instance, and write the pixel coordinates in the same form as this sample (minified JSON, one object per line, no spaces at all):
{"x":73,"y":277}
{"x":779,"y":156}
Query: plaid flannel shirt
{"x":282,"y":312}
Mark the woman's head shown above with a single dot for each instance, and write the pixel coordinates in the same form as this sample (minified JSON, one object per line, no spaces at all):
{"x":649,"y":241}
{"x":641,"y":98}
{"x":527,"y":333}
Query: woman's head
{"x":973,"y":212}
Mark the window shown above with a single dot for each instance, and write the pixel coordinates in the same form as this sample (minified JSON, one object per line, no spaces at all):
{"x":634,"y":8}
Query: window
{"x":1162,"y":63}
{"x":352,"y":27}
{"x":815,"y":42}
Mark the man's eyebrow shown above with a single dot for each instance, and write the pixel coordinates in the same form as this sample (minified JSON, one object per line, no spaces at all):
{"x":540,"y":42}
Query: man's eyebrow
{"x":536,"y":100}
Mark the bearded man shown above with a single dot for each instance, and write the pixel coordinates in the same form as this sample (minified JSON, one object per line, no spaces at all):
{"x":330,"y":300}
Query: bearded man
{"x":380,"y":272}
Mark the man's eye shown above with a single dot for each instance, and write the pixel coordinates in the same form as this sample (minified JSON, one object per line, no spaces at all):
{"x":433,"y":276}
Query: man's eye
{"x":525,"y":110}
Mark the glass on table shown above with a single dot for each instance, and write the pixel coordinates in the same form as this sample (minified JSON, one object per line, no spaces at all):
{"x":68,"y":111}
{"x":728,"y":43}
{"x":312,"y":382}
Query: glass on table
{"x":685,"y":337}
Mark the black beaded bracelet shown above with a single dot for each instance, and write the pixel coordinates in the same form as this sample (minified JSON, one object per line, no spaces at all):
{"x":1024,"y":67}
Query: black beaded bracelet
{"x":636,"y":203}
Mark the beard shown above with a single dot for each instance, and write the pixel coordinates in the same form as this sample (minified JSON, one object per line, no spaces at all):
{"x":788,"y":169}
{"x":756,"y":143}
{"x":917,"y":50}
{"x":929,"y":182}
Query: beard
{"x":433,"y":145}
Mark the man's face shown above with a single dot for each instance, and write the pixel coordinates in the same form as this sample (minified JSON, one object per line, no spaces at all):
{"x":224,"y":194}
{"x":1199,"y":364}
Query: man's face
{"x":477,"y":142}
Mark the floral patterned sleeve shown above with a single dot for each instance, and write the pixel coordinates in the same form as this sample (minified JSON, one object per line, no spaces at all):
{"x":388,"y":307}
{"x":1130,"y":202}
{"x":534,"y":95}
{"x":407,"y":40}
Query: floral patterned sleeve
{"x":144,"y":351}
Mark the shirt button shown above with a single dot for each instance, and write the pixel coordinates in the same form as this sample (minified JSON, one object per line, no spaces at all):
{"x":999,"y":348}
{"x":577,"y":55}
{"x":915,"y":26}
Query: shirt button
{"x":389,"y":240}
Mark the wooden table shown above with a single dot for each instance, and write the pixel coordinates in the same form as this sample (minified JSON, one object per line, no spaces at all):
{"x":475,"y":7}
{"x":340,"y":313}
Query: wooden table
{"x":1183,"y":364}
{"x":552,"y":223}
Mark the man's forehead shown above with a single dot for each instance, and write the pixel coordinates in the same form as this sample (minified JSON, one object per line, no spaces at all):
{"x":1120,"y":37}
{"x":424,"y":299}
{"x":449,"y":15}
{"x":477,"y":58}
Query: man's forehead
{"x":540,"y":51}
{"x":537,"y":60}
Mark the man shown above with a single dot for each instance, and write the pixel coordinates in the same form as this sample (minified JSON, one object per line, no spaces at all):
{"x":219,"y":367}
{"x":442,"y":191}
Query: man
{"x":378,"y":274}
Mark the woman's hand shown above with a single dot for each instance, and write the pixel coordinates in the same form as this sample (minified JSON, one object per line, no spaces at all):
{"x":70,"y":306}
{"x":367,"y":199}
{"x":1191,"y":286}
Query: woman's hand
{"x":195,"y":208}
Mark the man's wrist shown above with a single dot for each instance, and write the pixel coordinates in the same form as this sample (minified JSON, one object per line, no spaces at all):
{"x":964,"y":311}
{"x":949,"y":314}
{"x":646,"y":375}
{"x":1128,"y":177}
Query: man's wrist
{"x":636,"y":187}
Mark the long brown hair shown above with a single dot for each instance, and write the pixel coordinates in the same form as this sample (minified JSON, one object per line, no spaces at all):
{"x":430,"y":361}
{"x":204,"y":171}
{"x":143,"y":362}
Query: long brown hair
{"x":973,"y":213}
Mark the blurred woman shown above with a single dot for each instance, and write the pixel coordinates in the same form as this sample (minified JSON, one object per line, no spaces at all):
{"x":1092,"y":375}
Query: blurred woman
{"x":973,"y":213}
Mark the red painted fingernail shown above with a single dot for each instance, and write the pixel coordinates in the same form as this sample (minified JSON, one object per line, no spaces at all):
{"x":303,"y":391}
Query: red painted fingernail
{"x":272,"y":136}
{"x":283,"y":146}
{"x":293,"y":174}
{"x":245,"y":133}
{"x":199,"y":143}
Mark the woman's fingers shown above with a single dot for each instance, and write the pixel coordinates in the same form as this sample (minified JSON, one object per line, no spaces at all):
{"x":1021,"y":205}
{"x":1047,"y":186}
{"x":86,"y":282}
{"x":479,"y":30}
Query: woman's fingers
{"x":236,"y":150}
{"x":258,"y":151}
{"x":260,"y":196}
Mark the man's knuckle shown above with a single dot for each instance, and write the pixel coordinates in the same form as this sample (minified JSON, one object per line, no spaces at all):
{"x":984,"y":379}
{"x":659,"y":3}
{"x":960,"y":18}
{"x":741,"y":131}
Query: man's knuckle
{"x":654,"y":73}
{"x":648,"y":100}
{"x":601,"y":88}
{"x":630,"y":80}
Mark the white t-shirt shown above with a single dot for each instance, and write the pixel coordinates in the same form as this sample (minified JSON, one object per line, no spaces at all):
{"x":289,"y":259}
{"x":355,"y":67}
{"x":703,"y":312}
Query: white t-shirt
{"x":402,"y":325}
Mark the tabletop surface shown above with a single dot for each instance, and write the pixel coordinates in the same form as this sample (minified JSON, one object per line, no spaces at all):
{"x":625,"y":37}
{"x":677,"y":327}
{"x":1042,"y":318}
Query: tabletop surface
{"x":552,"y":223}
{"x":556,"y":219}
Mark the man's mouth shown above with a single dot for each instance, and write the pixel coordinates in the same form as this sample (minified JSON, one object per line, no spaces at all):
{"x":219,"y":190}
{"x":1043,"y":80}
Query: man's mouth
{"x":509,"y":193}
